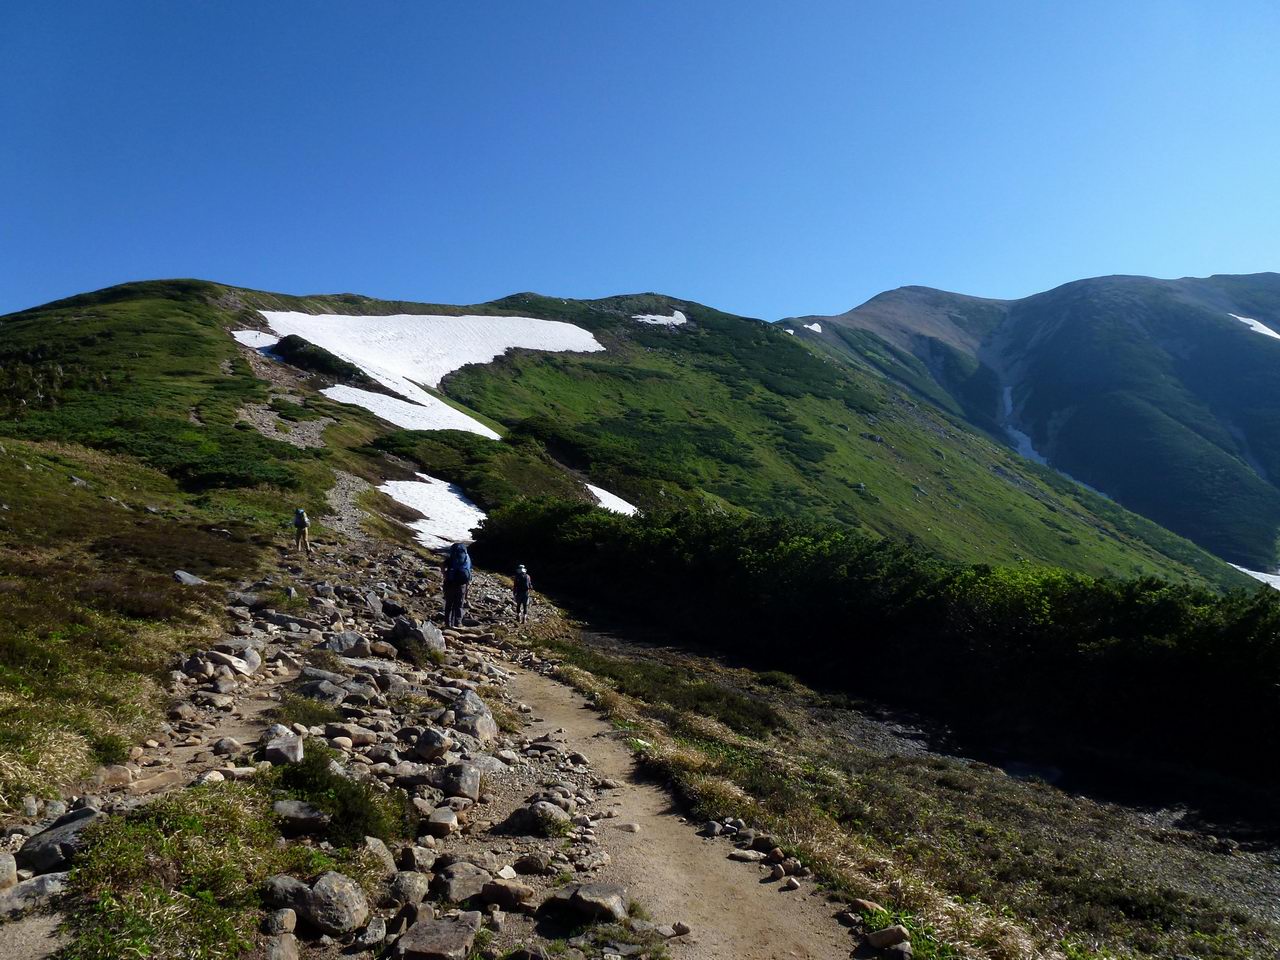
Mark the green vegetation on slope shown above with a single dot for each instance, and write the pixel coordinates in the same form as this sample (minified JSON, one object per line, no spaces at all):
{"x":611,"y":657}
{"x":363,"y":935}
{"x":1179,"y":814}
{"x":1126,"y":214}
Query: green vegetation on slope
{"x":970,"y":860}
{"x":1057,"y":663}
{"x":492,"y":472}
{"x":736,"y":413}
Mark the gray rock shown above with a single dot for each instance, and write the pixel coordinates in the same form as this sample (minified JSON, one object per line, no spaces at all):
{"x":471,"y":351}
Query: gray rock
{"x":334,"y":905}
{"x":283,"y":890}
{"x":472,"y":715}
{"x":432,"y":744}
{"x":507,"y":894}
{"x":591,"y":901}
{"x":348,"y":643}
{"x":535,"y":862}
{"x":379,"y":851}
{"x":8,"y":871}
{"x":460,"y":780}
{"x":57,"y":844}
{"x":445,"y":939}
{"x":227,"y":746}
{"x":300,"y":817}
{"x":408,"y":886}
{"x":441,"y":822}
{"x":286,"y":748}
{"x":283,"y":947}
{"x":284,"y":920}
{"x":373,"y":935}
{"x":323,"y":690}
{"x":459,"y":881}
{"x":31,"y":894}
{"x":188,"y":579}
{"x":888,"y":936}
{"x":359,"y":736}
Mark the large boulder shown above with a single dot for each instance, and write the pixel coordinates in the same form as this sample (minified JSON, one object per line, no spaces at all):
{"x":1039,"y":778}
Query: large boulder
{"x":591,"y":901}
{"x":334,"y":905}
{"x":460,"y":881}
{"x":31,"y":895}
{"x":432,"y":744}
{"x":460,"y":780}
{"x":300,"y":817}
{"x":55,"y":846}
{"x":449,"y":938}
{"x":472,"y":715}
{"x":348,"y":643}
{"x":285,"y":748}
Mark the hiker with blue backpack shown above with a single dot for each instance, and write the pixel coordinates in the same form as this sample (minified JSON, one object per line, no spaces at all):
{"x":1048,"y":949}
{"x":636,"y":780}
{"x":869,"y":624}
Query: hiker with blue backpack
{"x":457,"y":578}
{"x":521,"y":586}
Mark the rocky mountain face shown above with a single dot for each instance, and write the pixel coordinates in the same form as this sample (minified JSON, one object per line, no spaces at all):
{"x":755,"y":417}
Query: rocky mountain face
{"x":1161,"y":394}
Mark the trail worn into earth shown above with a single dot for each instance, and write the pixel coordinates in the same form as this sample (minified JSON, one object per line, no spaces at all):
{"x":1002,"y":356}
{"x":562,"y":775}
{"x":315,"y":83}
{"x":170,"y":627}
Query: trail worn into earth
{"x":673,"y":871}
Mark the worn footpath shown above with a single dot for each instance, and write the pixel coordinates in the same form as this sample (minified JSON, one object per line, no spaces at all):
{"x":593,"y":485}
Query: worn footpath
{"x":537,"y":831}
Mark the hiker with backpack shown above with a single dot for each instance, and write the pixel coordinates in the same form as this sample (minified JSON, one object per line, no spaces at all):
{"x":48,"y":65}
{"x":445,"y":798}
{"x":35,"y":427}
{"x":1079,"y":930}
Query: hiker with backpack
{"x":521,"y":585}
{"x":300,"y":524}
{"x":457,"y":578}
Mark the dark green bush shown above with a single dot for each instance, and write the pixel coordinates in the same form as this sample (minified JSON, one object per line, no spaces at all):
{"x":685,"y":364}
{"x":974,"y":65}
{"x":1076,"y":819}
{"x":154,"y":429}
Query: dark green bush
{"x":357,"y":810}
{"x":1027,"y":657}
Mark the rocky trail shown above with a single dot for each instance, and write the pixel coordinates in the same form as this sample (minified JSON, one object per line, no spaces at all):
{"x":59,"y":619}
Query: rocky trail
{"x":538,"y":832}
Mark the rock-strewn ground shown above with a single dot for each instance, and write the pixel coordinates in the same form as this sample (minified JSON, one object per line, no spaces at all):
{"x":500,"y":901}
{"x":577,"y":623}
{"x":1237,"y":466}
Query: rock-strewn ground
{"x":536,"y":828}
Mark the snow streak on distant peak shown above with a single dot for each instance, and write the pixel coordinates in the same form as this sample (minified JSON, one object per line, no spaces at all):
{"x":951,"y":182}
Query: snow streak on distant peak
{"x":611,"y":501}
{"x":674,"y":320}
{"x":815,"y":327}
{"x":1256,"y":326}
{"x":790,"y":331}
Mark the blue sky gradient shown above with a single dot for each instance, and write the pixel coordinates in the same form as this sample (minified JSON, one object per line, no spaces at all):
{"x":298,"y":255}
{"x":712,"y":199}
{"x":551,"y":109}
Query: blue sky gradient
{"x":766,"y":158}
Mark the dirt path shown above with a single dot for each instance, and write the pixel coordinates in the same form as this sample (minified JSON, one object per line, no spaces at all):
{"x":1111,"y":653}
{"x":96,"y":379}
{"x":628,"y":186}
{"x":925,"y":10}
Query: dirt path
{"x":672,"y":871}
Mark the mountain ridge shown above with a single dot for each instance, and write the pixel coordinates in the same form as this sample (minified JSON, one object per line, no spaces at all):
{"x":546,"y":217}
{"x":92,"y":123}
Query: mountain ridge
{"x":1118,"y":381}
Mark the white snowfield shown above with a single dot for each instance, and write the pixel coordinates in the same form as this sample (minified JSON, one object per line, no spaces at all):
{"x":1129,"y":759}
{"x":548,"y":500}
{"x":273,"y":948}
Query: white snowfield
{"x":1257,"y":327}
{"x":256,"y":339}
{"x":674,"y":320}
{"x":790,"y":331}
{"x":1270,"y":579}
{"x":449,"y":515}
{"x":815,"y":327}
{"x":432,"y":414}
{"x":406,"y":352}
{"x":611,"y":501}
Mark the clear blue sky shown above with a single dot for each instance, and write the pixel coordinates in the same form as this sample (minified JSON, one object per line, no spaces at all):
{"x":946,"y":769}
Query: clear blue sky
{"x":766,"y":158}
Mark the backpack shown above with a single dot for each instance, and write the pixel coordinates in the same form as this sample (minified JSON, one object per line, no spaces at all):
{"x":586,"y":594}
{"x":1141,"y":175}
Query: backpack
{"x":457,"y":566}
{"x":300,"y":518}
{"x":522,"y":583}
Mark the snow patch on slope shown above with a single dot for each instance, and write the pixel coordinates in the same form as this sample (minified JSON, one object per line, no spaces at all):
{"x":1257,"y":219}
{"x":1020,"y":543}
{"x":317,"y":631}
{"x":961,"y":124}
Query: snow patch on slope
{"x":1257,"y":327}
{"x":1021,"y":441}
{"x":1270,"y":579}
{"x":815,"y":327}
{"x":449,"y":515}
{"x":431,"y":414}
{"x":256,"y":339}
{"x":611,"y":501}
{"x":674,"y":320}
{"x":790,"y":331}
{"x":407,"y":352}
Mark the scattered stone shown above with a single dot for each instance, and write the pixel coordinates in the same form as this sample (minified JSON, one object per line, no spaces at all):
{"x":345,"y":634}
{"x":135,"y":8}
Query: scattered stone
{"x":300,"y":817}
{"x":56,"y":845}
{"x":747,"y":856}
{"x":286,"y":748}
{"x":408,"y":886}
{"x":31,"y":894}
{"x":284,"y":920}
{"x":888,"y":936}
{"x":450,"y":938}
{"x":334,"y":905}
{"x":188,"y":579}
{"x":507,"y":894}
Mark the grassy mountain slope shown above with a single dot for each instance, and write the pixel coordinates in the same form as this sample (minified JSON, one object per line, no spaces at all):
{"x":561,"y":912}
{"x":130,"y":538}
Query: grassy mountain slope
{"x":723,"y":410}
{"x":1148,"y":390}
